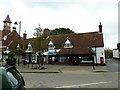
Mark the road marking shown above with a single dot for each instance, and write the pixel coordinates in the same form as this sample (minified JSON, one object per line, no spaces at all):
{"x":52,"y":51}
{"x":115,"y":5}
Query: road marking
{"x":84,"y":84}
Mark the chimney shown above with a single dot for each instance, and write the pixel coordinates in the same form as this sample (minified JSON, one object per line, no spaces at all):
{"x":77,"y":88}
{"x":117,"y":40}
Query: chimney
{"x":24,"y":40}
{"x":24,"y":36}
{"x":100,"y":27}
{"x":14,"y":28}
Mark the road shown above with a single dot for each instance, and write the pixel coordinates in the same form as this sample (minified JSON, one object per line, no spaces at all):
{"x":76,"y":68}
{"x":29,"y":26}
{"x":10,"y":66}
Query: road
{"x":75,"y":79}
{"x":72,"y":80}
{"x":113,"y":65}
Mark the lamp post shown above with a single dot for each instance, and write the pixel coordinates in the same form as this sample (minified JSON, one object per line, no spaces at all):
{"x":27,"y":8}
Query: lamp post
{"x":16,"y":23}
{"x":93,"y":50}
{"x":18,"y":47}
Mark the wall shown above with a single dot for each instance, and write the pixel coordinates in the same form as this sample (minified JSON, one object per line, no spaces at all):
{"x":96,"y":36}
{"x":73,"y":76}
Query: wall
{"x":99,"y":53}
{"x":115,"y":54}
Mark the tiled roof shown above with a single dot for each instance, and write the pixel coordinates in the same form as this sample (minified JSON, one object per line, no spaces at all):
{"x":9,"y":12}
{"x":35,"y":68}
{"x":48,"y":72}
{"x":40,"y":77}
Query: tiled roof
{"x":81,"y":42}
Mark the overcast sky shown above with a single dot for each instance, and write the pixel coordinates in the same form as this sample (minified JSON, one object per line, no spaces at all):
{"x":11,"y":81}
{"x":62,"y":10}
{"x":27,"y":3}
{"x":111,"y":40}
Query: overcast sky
{"x":79,"y":15}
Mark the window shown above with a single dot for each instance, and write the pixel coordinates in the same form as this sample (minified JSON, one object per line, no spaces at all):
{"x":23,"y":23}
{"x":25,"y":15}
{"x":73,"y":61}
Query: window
{"x":5,"y":38}
{"x":68,"y":44}
{"x":29,"y":46}
{"x":51,"y":45}
{"x":8,"y":24}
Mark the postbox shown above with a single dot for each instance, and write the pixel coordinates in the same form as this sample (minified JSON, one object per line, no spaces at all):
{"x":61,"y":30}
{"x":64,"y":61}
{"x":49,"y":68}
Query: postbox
{"x":101,"y":60}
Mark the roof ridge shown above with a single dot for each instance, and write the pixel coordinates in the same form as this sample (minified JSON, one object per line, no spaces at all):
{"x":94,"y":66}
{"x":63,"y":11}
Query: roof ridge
{"x":87,"y":32}
{"x":75,"y":33}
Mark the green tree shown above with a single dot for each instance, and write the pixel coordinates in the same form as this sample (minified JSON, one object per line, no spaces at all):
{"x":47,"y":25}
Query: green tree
{"x":108,"y":53}
{"x":39,"y":46}
{"x":38,"y":32}
{"x":58,"y":31}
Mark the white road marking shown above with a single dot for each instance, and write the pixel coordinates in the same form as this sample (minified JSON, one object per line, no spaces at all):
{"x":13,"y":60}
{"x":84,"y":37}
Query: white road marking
{"x":83,"y":84}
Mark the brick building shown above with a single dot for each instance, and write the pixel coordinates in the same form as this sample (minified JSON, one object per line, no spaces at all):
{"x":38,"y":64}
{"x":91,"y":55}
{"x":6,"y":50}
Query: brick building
{"x":76,"y":48}
{"x":7,"y":35}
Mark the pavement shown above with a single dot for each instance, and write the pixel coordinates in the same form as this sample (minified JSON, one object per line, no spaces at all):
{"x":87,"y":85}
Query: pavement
{"x":48,"y":68}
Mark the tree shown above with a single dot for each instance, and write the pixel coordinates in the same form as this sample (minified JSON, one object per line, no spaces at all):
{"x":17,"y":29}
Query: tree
{"x":38,"y":44}
{"x":38,"y":32}
{"x":108,"y":53}
{"x":58,"y":31}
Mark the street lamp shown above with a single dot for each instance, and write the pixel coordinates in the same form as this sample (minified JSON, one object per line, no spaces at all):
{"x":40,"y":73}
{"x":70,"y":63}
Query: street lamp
{"x":93,"y":50}
{"x":16,"y":23}
{"x":18,"y":46}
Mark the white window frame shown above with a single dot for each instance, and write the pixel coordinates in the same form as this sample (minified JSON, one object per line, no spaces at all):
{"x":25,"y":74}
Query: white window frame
{"x":51,"y":46}
{"x":68,"y":44}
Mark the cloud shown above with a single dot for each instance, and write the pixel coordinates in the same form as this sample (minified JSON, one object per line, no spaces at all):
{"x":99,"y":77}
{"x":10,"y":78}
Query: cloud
{"x":79,"y":15}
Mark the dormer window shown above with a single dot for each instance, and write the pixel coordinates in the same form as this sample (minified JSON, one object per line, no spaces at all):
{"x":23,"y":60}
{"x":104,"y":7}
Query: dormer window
{"x":51,"y":45}
{"x":68,"y":44}
{"x":29,"y":46}
{"x":18,"y":46}
{"x":5,"y":38}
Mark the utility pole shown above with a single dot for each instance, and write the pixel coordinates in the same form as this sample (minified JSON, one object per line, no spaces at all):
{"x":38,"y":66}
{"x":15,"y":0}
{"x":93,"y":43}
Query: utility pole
{"x":19,"y":39}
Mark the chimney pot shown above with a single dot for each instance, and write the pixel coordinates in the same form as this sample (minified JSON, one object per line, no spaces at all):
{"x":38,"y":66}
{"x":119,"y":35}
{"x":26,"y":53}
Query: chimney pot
{"x":100,"y":27}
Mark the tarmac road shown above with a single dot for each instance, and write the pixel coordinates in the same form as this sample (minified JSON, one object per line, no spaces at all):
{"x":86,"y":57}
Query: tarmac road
{"x":72,"y":80}
{"x":113,"y":65}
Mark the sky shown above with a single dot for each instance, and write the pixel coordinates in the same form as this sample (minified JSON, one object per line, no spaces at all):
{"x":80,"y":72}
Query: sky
{"x":79,"y":15}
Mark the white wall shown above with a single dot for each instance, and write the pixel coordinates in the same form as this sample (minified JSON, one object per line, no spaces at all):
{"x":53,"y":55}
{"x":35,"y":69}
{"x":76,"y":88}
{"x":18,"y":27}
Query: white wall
{"x":99,"y":53}
{"x":115,"y":54}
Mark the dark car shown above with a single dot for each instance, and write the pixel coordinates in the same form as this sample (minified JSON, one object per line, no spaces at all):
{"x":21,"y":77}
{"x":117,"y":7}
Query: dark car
{"x":10,"y":78}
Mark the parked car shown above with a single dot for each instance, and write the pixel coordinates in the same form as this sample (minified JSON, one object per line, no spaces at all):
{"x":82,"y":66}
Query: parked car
{"x":11,"y":78}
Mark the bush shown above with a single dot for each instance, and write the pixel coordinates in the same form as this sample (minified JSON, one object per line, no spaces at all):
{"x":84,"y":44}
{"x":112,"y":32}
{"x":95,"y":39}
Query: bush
{"x":108,"y":53}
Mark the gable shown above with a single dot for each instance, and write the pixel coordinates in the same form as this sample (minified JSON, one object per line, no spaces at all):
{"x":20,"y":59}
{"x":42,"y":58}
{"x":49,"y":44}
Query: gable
{"x":11,"y":37}
{"x":50,"y":43}
{"x":68,"y":44}
{"x":67,"y":41}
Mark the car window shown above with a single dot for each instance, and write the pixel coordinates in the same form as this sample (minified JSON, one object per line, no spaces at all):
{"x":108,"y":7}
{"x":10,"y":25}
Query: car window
{"x":14,"y":76}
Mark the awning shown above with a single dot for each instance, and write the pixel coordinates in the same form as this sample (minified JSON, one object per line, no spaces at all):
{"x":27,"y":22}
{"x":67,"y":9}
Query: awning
{"x":52,"y":53}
